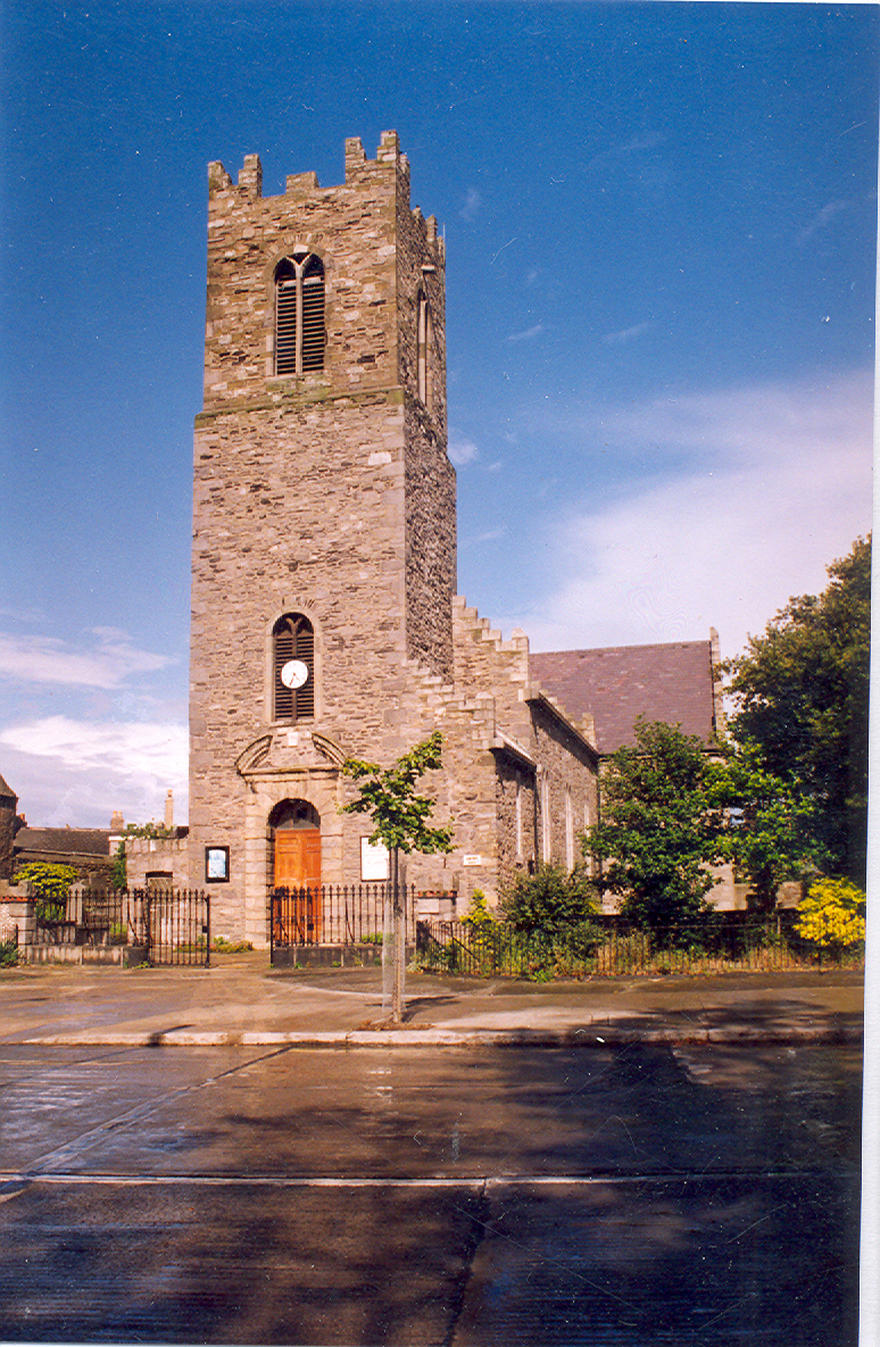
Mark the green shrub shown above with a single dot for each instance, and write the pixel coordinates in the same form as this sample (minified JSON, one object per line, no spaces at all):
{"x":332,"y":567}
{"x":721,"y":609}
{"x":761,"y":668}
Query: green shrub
{"x":8,"y":953}
{"x":50,"y":885}
{"x":553,"y":901}
{"x":223,"y":946}
{"x":832,"y":916}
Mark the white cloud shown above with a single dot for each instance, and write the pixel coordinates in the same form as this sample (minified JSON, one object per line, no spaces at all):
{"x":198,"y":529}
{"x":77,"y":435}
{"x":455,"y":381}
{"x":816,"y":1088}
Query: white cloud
{"x":627,"y":334}
{"x":76,"y":771}
{"x":110,"y":659}
{"x":785,"y":489}
{"x":822,"y":219}
{"x":472,"y":203}
{"x":462,"y":450}
{"x":528,"y":334}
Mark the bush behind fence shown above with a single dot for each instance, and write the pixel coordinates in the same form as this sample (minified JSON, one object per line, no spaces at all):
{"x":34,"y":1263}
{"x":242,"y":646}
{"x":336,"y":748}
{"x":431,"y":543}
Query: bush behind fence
{"x":609,"y":947}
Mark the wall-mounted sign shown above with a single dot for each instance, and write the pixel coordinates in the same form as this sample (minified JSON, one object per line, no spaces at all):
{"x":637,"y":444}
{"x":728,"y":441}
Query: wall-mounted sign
{"x":374,"y":860}
{"x":216,"y":865}
{"x":472,"y":860}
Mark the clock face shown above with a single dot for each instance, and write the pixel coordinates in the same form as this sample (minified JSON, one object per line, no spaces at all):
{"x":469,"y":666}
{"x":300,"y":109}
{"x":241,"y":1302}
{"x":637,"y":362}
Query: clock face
{"x":294,"y":673}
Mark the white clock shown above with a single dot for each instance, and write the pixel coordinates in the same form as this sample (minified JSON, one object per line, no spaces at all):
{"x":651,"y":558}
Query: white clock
{"x":294,"y":673}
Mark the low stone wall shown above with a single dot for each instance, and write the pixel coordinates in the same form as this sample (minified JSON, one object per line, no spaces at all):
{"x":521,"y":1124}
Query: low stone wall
{"x":17,"y":914}
{"x":436,"y":905}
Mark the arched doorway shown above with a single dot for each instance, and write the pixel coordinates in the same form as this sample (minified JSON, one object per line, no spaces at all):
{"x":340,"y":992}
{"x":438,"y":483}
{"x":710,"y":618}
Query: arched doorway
{"x":295,"y":828}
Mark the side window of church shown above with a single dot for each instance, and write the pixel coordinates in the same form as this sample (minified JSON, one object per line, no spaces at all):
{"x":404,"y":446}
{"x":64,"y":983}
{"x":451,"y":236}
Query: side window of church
{"x":299,"y":314}
{"x":423,"y":343}
{"x":293,"y":658}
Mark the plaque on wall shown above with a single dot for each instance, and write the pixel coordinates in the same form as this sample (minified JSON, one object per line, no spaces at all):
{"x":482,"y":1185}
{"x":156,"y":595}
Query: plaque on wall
{"x":216,"y":865}
{"x":374,"y":860}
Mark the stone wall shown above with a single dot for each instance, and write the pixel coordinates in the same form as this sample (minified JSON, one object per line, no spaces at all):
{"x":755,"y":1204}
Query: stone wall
{"x":17,"y":914}
{"x":150,"y":857}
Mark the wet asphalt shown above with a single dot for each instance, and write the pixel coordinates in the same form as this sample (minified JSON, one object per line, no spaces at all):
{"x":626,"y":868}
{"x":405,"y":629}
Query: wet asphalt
{"x":637,"y":1193}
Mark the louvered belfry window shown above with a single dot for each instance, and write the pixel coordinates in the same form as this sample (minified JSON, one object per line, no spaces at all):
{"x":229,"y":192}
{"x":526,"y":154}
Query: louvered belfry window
{"x":293,"y":657}
{"x":299,"y":314}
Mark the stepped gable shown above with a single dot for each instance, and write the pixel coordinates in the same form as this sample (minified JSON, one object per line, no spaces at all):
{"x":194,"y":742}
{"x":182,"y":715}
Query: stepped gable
{"x":673,"y":682}
{"x":484,"y":661}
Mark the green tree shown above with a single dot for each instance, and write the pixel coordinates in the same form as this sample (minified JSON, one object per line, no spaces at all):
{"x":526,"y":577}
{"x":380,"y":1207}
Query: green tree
{"x":119,"y":868}
{"x":400,"y":822}
{"x":801,"y":697}
{"x":659,"y":832}
{"x":764,"y":823}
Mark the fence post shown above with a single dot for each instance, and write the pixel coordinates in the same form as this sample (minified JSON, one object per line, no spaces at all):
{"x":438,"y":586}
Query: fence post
{"x":148,"y":931}
{"x":207,"y":897}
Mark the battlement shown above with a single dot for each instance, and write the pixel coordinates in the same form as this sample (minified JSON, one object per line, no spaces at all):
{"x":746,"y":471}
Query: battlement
{"x":359,"y":171}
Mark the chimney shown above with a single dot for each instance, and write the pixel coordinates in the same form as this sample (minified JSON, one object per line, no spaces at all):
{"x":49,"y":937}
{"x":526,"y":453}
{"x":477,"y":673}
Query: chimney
{"x":169,"y":810}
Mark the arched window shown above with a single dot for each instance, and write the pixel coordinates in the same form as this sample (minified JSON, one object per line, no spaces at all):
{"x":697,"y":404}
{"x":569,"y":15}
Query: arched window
{"x":299,"y":313}
{"x":423,"y":344}
{"x":293,"y":668}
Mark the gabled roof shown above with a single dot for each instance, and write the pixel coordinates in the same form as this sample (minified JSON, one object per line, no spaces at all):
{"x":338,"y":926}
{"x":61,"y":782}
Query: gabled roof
{"x":672,"y":682}
{"x":6,"y":791}
{"x":64,"y":841}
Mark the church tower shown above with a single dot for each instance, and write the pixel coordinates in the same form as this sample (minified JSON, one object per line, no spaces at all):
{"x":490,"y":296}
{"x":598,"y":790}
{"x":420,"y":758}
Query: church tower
{"x":323,"y":562}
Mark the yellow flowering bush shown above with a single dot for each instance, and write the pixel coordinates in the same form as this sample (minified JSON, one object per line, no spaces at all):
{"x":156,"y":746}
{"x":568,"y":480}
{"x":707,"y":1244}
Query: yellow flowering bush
{"x":832,"y":916}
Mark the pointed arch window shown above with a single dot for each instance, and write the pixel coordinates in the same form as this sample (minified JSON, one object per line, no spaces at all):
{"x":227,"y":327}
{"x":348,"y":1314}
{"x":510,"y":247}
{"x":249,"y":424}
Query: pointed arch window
{"x":300,"y":335}
{"x":293,"y":668}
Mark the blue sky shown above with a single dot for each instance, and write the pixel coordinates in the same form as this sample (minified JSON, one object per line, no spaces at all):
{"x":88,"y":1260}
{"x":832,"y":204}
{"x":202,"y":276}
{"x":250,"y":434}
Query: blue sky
{"x":660,"y":224}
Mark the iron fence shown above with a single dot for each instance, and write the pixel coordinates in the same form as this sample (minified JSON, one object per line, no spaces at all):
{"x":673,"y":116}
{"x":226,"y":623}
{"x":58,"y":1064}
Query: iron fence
{"x":334,"y":914}
{"x":167,"y":926}
{"x":606,"y":946}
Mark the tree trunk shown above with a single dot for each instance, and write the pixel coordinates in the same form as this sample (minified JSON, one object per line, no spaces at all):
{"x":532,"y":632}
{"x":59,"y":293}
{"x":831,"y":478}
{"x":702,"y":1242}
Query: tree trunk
{"x":398,"y":940}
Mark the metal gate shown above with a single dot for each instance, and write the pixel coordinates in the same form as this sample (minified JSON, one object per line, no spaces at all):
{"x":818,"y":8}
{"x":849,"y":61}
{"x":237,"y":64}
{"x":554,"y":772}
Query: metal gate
{"x":172,"y":926}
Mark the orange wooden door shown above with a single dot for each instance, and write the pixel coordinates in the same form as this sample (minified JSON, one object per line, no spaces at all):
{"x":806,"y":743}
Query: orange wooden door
{"x":298,"y":858}
{"x":298,"y":867}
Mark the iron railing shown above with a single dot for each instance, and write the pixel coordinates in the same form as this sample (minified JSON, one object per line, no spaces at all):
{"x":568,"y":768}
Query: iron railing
{"x":607,"y":946}
{"x":168,"y":926}
{"x":334,"y":914}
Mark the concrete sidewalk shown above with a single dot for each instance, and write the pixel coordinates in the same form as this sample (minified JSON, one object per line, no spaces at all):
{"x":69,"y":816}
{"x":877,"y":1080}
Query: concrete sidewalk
{"x":241,"y":1000}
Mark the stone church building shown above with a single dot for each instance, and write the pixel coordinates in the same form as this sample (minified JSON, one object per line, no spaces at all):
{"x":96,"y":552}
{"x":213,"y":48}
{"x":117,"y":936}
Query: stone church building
{"x":325,"y":620}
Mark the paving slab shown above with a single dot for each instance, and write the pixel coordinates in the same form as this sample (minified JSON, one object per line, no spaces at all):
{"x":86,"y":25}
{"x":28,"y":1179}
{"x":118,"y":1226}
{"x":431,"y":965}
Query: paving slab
{"x":241,"y":1000}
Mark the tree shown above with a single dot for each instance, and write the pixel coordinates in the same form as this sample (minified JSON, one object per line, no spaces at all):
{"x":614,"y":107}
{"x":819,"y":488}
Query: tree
{"x":801,"y":697}
{"x":659,"y":831}
{"x":119,"y":868}
{"x":400,"y":822}
{"x":764,"y":823}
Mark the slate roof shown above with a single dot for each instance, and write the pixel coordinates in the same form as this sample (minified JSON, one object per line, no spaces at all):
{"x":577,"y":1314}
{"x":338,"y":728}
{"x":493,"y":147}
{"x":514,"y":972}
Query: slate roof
{"x":64,"y":841}
{"x":673,"y":682}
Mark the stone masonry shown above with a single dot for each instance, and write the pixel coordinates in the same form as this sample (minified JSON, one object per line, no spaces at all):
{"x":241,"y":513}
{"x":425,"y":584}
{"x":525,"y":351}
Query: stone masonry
{"x":329,"y":494}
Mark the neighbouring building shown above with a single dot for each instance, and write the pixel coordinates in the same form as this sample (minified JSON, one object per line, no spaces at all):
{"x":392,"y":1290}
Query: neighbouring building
{"x":88,"y":850}
{"x":325,"y":621}
{"x":8,"y":806}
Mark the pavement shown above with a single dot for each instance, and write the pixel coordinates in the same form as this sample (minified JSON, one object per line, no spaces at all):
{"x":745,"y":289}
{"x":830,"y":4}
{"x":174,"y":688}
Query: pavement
{"x":241,"y":1000}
